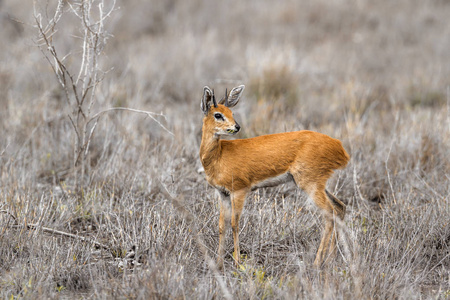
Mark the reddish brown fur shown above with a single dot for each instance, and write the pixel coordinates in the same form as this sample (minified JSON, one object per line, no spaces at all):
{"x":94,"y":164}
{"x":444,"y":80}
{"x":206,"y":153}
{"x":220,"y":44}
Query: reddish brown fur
{"x":243,"y":163}
{"x":235,"y":166}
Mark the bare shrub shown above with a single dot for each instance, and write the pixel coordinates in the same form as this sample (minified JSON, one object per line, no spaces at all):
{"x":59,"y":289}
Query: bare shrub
{"x":374,"y":74}
{"x":79,"y":86}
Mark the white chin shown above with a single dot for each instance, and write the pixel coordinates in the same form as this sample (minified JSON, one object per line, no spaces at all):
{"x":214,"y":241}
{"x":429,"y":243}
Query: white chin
{"x":225,"y":133}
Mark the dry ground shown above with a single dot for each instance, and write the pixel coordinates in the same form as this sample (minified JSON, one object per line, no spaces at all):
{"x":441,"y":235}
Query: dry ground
{"x":375,"y":74}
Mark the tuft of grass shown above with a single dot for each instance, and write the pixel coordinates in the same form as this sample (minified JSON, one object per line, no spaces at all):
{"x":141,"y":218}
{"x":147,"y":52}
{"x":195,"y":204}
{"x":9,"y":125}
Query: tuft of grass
{"x":426,"y":98}
{"x":277,"y":85}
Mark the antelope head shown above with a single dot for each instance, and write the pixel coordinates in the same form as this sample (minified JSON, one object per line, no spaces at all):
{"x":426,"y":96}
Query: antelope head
{"x":218,"y":116}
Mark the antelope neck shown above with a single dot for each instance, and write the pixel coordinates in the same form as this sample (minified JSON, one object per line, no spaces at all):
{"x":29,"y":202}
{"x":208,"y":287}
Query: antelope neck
{"x":210,"y":148}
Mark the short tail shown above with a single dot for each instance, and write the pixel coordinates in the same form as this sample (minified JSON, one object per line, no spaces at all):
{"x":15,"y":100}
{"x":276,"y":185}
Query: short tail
{"x":344,"y":157}
{"x":338,"y":157}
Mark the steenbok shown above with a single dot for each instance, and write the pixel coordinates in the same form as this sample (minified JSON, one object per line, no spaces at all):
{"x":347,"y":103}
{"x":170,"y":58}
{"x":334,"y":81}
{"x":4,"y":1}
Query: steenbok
{"x":236,"y":167}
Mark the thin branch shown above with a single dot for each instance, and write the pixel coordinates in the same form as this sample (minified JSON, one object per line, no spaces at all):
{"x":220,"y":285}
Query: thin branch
{"x":62,"y":233}
{"x":75,"y":127}
{"x":59,"y":67}
{"x":4,"y":150}
{"x":148,"y":113}
{"x":97,"y":116}
{"x":86,"y":88}
{"x":79,"y":149}
{"x":54,"y":231}
{"x":104,"y":16}
{"x":10,"y":214}
{"x":83,"y":58}
{"x":90,"y":136}
{"x":47,"y":43}
{"x":58,"y":13}
{"x":73,"y":10}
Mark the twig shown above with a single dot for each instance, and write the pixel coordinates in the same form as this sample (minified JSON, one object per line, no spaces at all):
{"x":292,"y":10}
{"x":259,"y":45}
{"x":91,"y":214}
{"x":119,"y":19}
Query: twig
{"x":54,"y":231}
{"x":97,"y":116}
{"x":4,"y":150}
{"x":148,"y":113}
{"x":7,"y":212}
{"x":90,"y":136}
{"x":61,"y":233}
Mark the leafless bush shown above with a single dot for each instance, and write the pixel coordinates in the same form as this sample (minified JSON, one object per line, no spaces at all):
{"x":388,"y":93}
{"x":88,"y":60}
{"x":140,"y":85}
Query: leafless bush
{"x":373,"y":74}
{"x":79,"y":74}
{"x":79,"y":86}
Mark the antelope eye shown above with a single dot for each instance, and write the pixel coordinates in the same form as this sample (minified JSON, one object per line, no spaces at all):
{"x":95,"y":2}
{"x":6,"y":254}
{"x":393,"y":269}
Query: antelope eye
{"x":218,"y":116}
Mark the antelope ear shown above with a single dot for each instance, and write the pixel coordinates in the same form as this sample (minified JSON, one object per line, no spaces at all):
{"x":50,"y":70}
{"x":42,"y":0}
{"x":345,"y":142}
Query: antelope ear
{"x":234,"y":96}
{"x":208,"y":94}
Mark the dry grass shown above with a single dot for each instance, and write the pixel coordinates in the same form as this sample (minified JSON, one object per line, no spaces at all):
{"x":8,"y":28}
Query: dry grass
{"x":375,"y":75}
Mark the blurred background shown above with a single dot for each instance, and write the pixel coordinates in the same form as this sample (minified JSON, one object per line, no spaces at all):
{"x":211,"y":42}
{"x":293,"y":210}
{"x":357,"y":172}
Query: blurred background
{"x":314,"y":62}
{"x":375,"y":74}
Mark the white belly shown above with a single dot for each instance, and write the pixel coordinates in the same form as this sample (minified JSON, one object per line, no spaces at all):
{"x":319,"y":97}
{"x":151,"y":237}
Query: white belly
{"x":274,"y":181}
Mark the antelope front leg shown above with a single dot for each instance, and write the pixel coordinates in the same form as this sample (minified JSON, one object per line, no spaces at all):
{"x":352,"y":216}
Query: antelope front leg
{"x":224,"y":218}
{"x":237,"y":204}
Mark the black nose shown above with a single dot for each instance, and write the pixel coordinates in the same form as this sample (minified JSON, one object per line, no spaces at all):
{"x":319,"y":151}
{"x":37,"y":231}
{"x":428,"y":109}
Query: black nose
{"x":237,"y":127}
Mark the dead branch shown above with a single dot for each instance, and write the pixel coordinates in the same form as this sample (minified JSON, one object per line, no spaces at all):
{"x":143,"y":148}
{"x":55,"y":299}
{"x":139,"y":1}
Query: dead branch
{"x":54,"y":231}
{"x":62,"y":233}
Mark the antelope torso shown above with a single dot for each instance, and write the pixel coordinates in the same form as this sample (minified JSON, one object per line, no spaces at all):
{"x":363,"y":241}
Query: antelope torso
{"x":251,"y":163}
